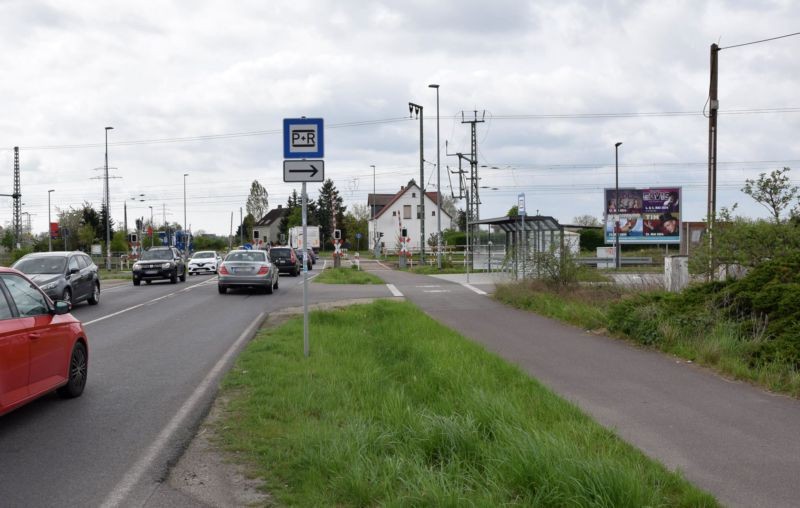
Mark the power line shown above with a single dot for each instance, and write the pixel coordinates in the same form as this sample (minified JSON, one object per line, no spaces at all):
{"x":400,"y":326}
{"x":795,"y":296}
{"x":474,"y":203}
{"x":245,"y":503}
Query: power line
{"x":759,"y":42}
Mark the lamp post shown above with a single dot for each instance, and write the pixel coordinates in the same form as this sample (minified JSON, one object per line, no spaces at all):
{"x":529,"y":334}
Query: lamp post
{"x":372,"y":208}
{"x":108,"y":209}
{"x":152,"y":230}
{"x":49,"y":221}
{"x":438,"y":187}
{"x":185,"y":224}
{"x":417,"y":109}
{"x":616,"y":205}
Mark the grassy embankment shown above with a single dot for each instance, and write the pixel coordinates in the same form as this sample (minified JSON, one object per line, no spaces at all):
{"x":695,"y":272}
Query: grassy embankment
{"x":747,"y":329}
{"x":382,"y":414}
{"x":344,"y":275}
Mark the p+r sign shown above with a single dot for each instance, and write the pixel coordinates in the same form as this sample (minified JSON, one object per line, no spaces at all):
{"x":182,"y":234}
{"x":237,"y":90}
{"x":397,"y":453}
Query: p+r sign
{"x":303,"y":138}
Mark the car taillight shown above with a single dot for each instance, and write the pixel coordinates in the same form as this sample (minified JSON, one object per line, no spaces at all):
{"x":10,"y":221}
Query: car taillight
{"x":223,"y":270}
{"x":294,"y":259}
{"x":264,"y":270}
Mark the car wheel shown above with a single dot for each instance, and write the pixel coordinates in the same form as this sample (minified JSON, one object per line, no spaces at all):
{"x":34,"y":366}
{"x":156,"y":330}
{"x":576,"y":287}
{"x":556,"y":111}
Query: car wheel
{"x":183,"y":277}
{"x":276,"y":282}
{"x":76,"y":377}
{"x":148,"y":282}
{"x":222,"y":289}
{"x":295,"y":272}
{"x":67,"y":296}
{"x":94,"y":298}
{"x":173,"y":279}
{"x":268,"y":288}
{"x":136,"y":282}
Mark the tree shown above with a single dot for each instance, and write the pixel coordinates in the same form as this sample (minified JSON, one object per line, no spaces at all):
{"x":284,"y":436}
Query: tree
{"x":101,"y":229}
{"x":449,"y":207}
{"x":258,"y":202}
{"x":330,"y":210}
{"x":294,"y":202}
{"x":245,"y":229}
{"x":774,"y":192}
{"x":586,"y":220}
{"x":513,"y":211}
{"x":461,"y":220}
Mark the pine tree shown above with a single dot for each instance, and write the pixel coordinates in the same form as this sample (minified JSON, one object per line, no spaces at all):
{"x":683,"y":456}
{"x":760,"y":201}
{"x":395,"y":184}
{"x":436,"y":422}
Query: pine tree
{"x":330,"y":211}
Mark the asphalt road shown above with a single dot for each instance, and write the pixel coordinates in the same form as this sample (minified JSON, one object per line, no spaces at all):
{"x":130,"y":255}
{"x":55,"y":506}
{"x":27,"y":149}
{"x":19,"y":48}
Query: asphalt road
{"x":735,"y":440}
{"x":157,"y":353}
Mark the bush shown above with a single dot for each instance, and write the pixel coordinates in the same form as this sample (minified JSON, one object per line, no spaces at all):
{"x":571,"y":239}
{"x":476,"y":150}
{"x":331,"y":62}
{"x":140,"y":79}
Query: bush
{"x":591,"y":239}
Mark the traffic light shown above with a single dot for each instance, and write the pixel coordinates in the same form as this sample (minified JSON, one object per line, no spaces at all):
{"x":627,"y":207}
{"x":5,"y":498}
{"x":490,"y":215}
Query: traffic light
{"x":337,"y":234}
{"x":133,"y":238}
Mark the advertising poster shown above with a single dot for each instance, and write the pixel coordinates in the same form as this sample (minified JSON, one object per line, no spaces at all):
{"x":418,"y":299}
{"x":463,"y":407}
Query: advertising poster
{"x":646,"y":216}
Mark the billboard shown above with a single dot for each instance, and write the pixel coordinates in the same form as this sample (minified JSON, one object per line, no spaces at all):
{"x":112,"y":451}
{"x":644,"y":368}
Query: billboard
{"x":645,"y":216}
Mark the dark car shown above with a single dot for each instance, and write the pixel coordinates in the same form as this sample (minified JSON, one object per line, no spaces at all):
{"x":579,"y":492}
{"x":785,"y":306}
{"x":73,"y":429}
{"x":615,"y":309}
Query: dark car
{"x":159,"y":263}
{"x":310,"y":262}
{"x":68,"y":276}
{"x":287,"y":260}
{"x":44,"y":348}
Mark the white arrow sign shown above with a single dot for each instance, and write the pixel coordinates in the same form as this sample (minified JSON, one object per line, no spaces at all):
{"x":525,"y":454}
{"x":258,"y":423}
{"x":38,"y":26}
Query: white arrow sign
{"x":304,"y":171}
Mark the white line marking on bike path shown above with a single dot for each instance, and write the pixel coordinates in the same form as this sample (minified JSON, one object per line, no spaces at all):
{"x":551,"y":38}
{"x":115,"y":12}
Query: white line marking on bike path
{"x":141,"y":304}
{"x":145,"y":462}
{"x":473,"y":288}
{"x":394,"y":290}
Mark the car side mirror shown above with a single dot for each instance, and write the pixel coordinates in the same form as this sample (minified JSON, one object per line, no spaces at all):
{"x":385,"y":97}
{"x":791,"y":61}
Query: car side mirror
{"x":73,"y":271}
{"x":61,"y":307}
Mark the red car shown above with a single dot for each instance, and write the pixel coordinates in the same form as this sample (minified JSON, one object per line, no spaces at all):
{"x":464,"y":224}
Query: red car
{"x":42,"y":346}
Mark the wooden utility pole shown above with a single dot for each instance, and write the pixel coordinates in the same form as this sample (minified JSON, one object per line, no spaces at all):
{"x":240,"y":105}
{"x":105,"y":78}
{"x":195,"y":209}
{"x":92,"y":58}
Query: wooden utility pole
{"x":713,"y":108}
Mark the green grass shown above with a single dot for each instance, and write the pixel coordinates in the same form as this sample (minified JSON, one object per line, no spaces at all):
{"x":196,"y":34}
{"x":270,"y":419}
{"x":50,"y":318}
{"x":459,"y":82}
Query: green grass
{"x":114,"y":274}
{"x":346,"y":276}
{"x":417,"y":415}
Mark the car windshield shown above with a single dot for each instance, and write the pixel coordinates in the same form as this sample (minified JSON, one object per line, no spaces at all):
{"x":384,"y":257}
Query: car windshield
{"x":41,"y":265}
{"x":279,"y":253}
{"x":251,"y":256}
{"x":203,"y":255}
{"x":156,"y":254}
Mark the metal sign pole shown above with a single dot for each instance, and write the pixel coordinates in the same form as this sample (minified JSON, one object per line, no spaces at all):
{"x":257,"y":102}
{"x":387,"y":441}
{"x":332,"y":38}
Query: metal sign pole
{"x":305,"y":272}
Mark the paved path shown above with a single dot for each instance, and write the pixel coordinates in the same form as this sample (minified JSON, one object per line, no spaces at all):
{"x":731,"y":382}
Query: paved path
{"x":732,"y":439}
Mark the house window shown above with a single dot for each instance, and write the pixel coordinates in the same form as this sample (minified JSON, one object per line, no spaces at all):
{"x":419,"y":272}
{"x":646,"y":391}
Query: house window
{"x":394,"y":213}
{"x":406,"y":211}
{"x":418,"y":212}
{"x":413,"y":194}
{"x":433,"y":213}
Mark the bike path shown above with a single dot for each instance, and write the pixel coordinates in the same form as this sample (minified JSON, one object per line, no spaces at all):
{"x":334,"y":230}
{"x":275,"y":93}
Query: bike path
{"x":735,"y":440}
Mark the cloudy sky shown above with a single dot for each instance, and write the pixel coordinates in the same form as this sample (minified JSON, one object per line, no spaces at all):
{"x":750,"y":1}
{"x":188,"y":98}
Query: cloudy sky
{"x":201,"y":87}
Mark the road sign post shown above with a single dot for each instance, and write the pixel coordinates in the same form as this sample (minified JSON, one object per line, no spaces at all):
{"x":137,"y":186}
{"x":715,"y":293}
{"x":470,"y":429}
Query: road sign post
{"x":304,"y":138}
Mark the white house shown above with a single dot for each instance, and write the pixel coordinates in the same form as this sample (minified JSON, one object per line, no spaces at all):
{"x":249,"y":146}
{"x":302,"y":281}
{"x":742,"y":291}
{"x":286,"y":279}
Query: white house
{"x":403,"y":211}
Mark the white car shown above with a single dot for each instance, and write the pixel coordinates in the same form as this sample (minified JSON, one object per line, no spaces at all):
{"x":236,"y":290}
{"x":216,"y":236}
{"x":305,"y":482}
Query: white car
{"x":204,"y":261}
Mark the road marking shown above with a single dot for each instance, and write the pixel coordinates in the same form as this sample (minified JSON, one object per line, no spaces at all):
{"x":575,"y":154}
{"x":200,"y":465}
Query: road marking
{"x":429,"y":286}
{"x":436,"y":291}
{"x":394,"y":290}
{"x":473,"y":288}
{"x":386,"y":267}
{"x":87,"y":323}
{"x":177,"y":423}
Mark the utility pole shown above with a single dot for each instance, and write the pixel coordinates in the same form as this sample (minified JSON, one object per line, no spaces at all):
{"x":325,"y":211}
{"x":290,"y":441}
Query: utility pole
{"x":230,"y":234}
{"x":713,"y":107}
{"x":241,"y":227}
{"x":108,"y":208}
{"x":185,"y":224}
{"x":473,"y":208}
{"x":17,"y":196}
{"x":418,"y":110}
{"x":49,"y":221}
{"x":616,"y":206}
{"x":372,"y":209}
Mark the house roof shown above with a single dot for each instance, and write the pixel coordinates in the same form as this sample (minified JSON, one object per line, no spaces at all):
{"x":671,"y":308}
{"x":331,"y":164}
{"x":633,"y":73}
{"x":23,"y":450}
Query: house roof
{"x":379,"y":199}
{"x":431,"y":195}
{"x":272,"y":216}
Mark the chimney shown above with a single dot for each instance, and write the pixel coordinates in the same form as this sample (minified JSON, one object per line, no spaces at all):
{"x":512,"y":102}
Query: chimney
{"x":280,"y":206}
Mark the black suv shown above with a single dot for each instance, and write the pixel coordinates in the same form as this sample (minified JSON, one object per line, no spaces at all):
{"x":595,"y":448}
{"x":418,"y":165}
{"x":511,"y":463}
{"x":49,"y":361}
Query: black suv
{"x":159,"y":263}
{"x":68,"y":276}
{"x":286,"y":259}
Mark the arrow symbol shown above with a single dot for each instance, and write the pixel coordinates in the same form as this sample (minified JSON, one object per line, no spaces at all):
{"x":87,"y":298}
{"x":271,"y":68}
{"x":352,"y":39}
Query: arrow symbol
{"x":313,"y":171}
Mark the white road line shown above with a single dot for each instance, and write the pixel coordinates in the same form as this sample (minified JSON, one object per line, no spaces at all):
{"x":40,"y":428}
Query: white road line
{"x":436,"y":291}
{"x":135,"y":473}
{"x":473,"y":288}
{"x":394,"y":290}
{"x":87,"y":323}
{"x":388,"y":268}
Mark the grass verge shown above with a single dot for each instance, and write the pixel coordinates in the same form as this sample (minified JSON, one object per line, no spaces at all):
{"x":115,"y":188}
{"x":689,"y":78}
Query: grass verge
{"x":343,"y":275}
{"x":417,"y":415}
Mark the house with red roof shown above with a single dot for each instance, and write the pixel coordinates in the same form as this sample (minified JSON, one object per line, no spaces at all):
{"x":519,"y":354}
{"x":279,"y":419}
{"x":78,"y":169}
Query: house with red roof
{"x":402,"y":210}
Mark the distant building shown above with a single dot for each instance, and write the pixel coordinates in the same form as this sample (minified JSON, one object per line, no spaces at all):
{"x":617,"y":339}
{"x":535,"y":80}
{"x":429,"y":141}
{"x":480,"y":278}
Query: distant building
{"x":269,"y":225}
{"x":401,"y":210}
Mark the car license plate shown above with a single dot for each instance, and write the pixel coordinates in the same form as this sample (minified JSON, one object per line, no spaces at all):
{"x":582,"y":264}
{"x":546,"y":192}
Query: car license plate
{"x":150,"y":272}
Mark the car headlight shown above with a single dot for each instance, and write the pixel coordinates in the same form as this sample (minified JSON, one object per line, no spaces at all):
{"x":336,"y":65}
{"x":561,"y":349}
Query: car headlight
{"x":49,"y":285}
{"x":166,"y":265}
{"x":137,"y":266}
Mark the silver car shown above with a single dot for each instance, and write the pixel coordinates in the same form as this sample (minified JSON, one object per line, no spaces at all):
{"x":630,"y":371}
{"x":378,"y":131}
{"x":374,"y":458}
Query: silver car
{"x":247,"y":268}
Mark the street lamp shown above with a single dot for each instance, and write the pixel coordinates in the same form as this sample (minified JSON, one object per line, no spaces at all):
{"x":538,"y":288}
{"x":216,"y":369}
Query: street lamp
{"x":49,"y":221}
{"x":616,"y":205}
{"x":152,"y":231}
{"x":372,"y":207}
{"x":438,"y":187}
{"x":185,"y":224}
{"x":108,"y":209}
{"x":416,"y":109}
